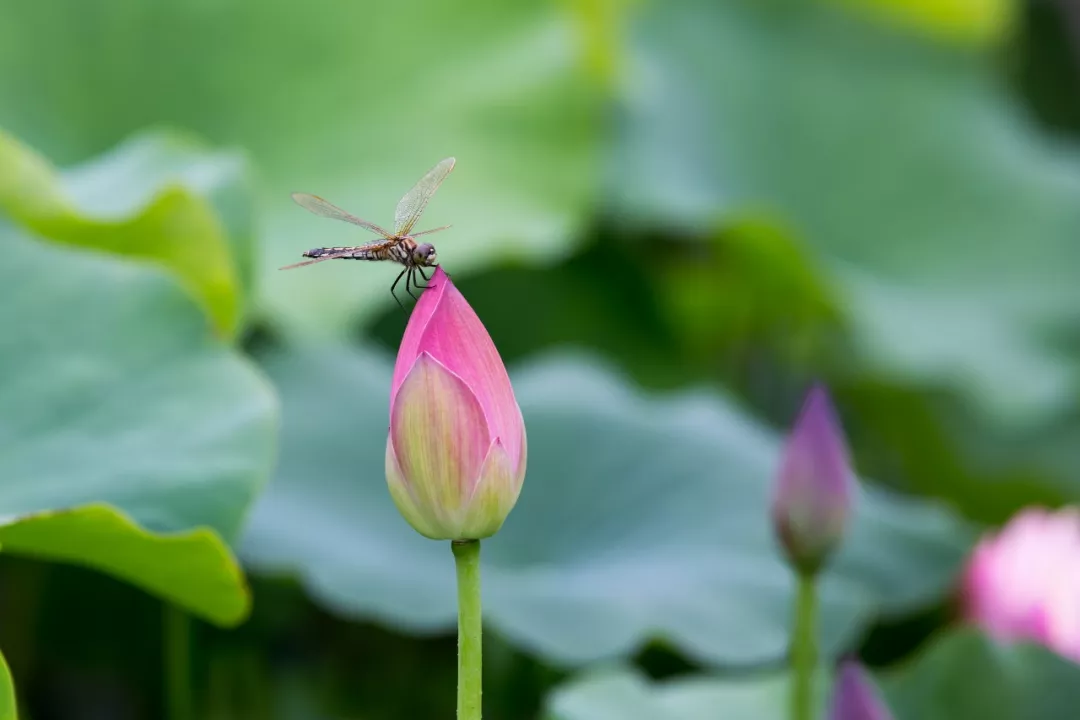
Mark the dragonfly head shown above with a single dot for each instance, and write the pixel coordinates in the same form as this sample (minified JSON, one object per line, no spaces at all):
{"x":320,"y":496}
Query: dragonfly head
{"x":424,"y":254}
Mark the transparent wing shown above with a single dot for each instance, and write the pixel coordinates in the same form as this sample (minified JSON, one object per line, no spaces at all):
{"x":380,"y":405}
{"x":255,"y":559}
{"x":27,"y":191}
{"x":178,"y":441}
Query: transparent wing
{"x":310,"y":262}
{"x":411,"y":206}
{"x":432,"y":230}
{"x":342,"y":252}
{"x":317,"y":205}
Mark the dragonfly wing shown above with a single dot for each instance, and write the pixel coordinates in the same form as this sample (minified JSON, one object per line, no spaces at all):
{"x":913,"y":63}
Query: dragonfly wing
{"x":411,"y":206}
{"x":432,"y":230}
{"x":317,"y":205}
{"x":309,"y":262}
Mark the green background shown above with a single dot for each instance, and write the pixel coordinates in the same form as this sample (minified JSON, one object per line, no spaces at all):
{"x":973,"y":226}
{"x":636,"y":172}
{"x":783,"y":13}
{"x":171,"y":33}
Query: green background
{"x":672,"y":218}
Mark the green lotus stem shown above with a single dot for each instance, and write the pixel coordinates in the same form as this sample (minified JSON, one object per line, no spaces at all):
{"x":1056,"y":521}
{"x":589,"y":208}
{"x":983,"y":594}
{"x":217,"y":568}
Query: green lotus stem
{"x":804,"y":649}
{"x":470,"y":652}
{"x":177,"y":645}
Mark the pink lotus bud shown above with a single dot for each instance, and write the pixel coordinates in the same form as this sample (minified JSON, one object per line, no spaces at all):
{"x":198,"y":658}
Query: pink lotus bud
{"x":814,"y":490}
{"x":455,"y":458}
{"x":855,"y":697}
{"x":1024,"y":583}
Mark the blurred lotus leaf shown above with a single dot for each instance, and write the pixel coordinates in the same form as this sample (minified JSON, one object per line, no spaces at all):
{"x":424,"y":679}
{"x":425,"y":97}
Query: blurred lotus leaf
{"x":350,"y":101}
{"x":945,"y":220}
{"x":964,"y":674}
{"x":151,"y":198}
{"x":961,"y":675}
{"x":8,"y":708}
{"x":640,"y":518}
{"x":624,"y":694}
{"x":193,"y":569}
{"x":749,"y":285}
{"x":977,"y":21}
{"x":113,"y":391}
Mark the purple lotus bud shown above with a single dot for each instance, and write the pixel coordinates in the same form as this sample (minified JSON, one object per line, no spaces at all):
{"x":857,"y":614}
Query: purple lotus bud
{"x":815,"y":486}
{"x":855,"y":697}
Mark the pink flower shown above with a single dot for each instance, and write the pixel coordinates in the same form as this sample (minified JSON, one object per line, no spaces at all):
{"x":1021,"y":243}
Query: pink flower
{"x":815,"y":486}
{"x":455,"y":457}
{"x":1024,"y":582}
{"x":855,"y":697}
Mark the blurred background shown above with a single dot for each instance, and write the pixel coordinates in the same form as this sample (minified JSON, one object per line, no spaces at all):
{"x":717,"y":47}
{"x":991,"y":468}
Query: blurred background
{"x":672,"y":217}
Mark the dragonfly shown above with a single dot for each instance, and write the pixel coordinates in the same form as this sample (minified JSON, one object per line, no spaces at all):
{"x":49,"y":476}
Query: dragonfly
{"x":399,"y":246}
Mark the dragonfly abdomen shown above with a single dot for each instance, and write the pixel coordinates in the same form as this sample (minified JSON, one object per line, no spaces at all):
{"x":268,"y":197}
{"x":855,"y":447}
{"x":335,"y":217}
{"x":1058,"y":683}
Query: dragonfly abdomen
{"x":353,"y":253}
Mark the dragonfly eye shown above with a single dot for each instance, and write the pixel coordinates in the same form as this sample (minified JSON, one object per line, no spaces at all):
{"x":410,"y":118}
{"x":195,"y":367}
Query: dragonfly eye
{"x":424,"y":254}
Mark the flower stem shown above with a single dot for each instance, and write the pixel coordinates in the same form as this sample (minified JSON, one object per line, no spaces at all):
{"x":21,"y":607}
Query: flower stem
{"x":804,"y":649}
{"x":470,"y":652}
{"x":177,"y":663}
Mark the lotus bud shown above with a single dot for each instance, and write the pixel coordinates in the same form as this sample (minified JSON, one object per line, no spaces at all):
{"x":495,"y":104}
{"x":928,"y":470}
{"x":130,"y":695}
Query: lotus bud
{"x":814,"y":490}
{"x":455,"y":456}
{"x":855,"y":697}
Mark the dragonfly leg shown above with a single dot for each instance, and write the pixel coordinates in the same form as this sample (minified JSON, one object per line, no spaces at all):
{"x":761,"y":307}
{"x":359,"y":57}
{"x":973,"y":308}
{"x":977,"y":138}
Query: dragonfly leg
{"x":410,"y":279}
{"x":427,"y":280}
{"x":396,"y":280}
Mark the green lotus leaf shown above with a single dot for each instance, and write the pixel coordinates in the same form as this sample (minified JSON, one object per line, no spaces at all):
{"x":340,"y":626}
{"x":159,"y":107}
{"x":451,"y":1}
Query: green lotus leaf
{"x":193,"y":569}
{"x":130,"y":439}
{"x":8,"y":707}
{"x":148,"y":199}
